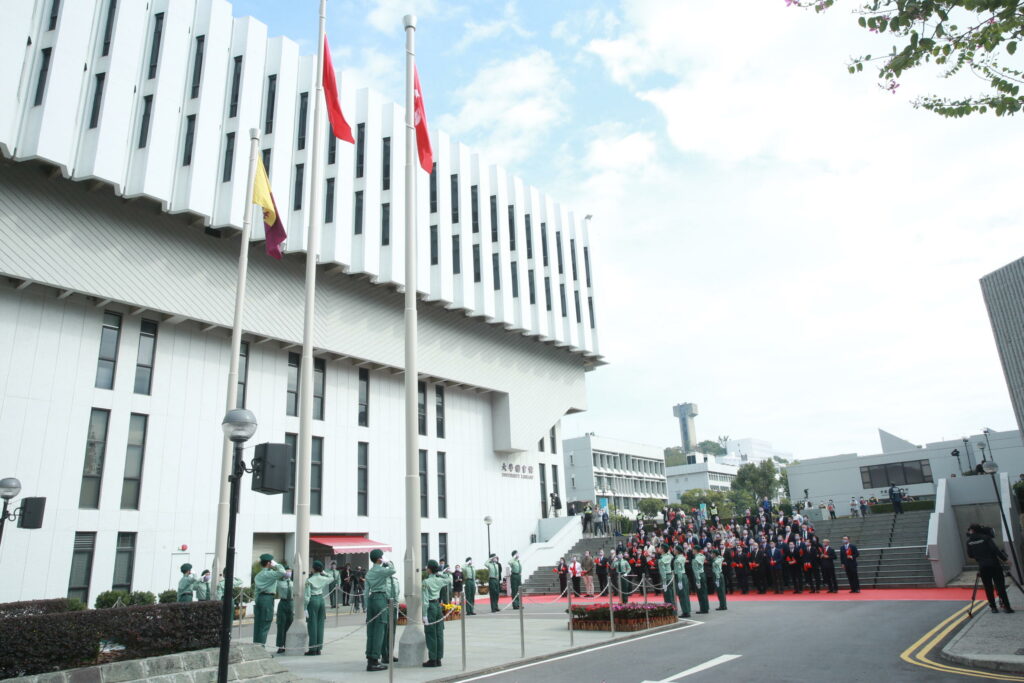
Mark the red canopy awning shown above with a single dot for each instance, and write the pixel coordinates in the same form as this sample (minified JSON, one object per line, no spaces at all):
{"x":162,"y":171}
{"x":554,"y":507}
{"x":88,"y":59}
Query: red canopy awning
{"x":350,"y":544}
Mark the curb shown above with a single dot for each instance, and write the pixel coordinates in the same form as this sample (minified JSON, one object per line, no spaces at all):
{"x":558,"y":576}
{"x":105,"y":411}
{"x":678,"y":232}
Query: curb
{"x":986,"y":662}
{"x":560,"y":653}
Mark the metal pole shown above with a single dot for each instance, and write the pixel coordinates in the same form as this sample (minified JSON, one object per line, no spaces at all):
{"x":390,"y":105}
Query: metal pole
{"x":221,"y":543}
{"x":488,"y":540}
{"x":303,"y":469}
{"x":463,"y":620}
{"x":569,"y":594}
{"x":3,"y":520}
{"x":1006,"y":529}
{"x":647,"y":614}
{"x":413,"y":644}
{"x":229,"y":568}
{"x":611,"y":604}
{"x":522,"y":623}
{"x":391,"y":639}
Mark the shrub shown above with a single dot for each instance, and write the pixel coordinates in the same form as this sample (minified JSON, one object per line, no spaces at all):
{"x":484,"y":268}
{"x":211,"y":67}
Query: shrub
{"x":169,"y":595}
{"x":144,"y":631}
{"x":143,"y":598}
{"x":30,"y":607}
{"x":881,"y":508}
{"x":482,"y":575}
{"x":108,"y":599}
{"x":638,"y":611}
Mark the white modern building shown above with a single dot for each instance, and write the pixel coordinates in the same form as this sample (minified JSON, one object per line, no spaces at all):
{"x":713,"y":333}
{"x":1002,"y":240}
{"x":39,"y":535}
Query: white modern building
{"x":917,"y":469}
{"x":124,"y":142}
{"x":706,"y":473}
{"x":741,"y":451}
{"x":612,"y":472}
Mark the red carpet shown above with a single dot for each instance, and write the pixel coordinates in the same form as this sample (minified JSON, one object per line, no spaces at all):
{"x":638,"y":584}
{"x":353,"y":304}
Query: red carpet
{"x":866,"y":594}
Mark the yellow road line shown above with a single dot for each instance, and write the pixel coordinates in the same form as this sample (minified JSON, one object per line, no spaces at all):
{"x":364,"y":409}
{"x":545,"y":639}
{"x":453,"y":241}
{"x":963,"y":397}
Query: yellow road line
{"x":917,"y":654}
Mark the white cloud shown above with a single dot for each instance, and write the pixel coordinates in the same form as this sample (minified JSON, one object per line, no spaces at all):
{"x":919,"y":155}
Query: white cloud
{"x":381,"y":71}
{"x":509,"y":21}
{"x":509,"y":107}
{"x":386,"y":15}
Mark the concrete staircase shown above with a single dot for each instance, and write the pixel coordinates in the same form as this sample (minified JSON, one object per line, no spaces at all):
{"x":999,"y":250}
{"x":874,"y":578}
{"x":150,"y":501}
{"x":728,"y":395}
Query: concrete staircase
{"x":545,"y":581}
{"x":892,"y":548}
{"x":892,"y":552}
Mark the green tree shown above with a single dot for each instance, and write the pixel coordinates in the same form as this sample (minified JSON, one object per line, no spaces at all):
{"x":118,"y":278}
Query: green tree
{"x":674,"y":455}
{"x":976,"y":36}
{"x":758,"y":481}
{"x":709,"y":447}
{"x":650,"y":507}
{"x":723,"y":441}
{"x":784,"y":478}
{"x":694,"y":497}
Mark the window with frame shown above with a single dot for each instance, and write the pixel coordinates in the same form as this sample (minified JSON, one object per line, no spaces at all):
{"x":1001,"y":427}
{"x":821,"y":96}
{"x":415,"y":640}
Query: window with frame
{"x":496,"y":270}
{"x":319,"y":387}
{"x":422,"y":406}
{"x":385,"y":155}
{"x":442,"y":484}
{"x":190,"y":137}
{"x":433,"y":188}
{"x":292,"y":398}
{"x":108,"y":28}
{"x":288,"y":497}
{"x":455,"y":197}
{"x":229,"y":157}
{"x":424,"y":550}
{"x":554,"y":478}
{"x":511,"y":227}
{"x":439,"y":410}
{"x":243,"y":374}
{"x":532,"y":286}
{"x":494,"y":219}
{"x":590,"y":305}
{"x":54,"y":14}
{"x":316,"y":476}
{"x":95,"y":454}
{"x":385,"y":224}
{"x":540,"y":445}
{"x":357,"y":219}
{"x":558,"y":251}
{"x":547,"y":292}
{"x":442,"y":546}
{"x":362,"y":479}
{"x":424,"y":492}
{"x":476,"y":263}
{"x":586,"y":264}
{"x":268,"y":114}
{"x":154,"y":47}
{"x":135,"y":456}
{"x":332,"y":145}
{"x":300,"y":140}
{"x":900,"y":473}
{"x":97,"y":101}
{"x":572,"y":259}
{"x":329,"y":201}
{"x":364,"y":397}
{"x":565,"y":308}
{"x":110,"y":339}
{"x":360,"y":149}
{"x":124,"y":562}
{"x":529,"y":236}
{"x":474,"y":206}
{"x":433,"y":246}
{"x":456,"y":256}
{"x":554,"y":441}
{"x":147,"y":111}
{"x":579,"y":310}
{"x":44,"y":71}
{"x":544,"y":243}
{"x":197,"y":66}
{"x":300,"y":182}
{"x":81,"y":565}
{"x":515,"y":280}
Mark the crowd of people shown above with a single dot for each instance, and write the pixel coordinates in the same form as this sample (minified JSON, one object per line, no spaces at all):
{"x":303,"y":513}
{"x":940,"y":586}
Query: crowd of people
{"x":701,"y":553}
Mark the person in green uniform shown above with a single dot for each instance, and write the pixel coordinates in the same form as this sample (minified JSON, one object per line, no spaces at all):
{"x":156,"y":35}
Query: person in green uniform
{"x":433,"y":616}
{"x":220,"y":586}
{"x":187,"y":584}
{"x":515,"y":579}
{"x":285,"y":608}
{"x":716,"y":571}
{"x":493,"y":581}
{"x":389,"y":637}
{"x":622,"y":569}
{"x":682,"y":582}
{"x":469,"y":587}
{"x":377,"y":593}
{"x":265,"y":587}
{"x":666,"y":576}
{"x":317,"y":586}
{"x":335,"y":576}
{"x":203,"y":586}
{"x":701,"y":580}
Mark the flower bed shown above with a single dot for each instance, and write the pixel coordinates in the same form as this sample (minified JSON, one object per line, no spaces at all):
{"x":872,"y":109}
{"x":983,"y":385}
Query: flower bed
{"x":451,"y":612}
{"x":627,"y":617}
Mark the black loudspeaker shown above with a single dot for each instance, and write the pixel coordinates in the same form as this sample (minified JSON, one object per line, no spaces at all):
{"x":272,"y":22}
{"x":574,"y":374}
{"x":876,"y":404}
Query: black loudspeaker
{"x":31,"y":513}
{"x":271,"y":468}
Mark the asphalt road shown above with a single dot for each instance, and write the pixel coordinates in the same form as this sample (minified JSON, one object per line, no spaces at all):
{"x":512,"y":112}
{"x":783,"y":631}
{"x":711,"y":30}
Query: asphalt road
{"x":826,"y":641}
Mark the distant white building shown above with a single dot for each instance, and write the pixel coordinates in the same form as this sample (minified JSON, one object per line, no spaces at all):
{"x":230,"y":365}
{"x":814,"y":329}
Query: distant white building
{"x":613,"y":472}
{"x":741,"y":451}
{"x":706,"y":473}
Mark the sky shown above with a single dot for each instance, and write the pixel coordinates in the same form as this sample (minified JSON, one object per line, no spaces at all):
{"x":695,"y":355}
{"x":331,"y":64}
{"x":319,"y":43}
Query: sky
{"x":795,"y":249}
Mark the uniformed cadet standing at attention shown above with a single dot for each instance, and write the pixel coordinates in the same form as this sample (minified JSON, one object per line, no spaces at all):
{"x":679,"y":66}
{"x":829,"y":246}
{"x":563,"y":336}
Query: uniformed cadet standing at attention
{"x":493,"y":581}
{"x":433,"y":615}
{"x":469,"y":589}
{"x":377,"y":592}
{"x":317,"y":586}
{"x":666,"y":576}
{"x":265,"y":586}
{"x":515,"y":579}
{"x":701,"y":581}
{"x":285,"y":607}
{"x":335,"y":576}
{"x":682,"y":583}
{"x":187,"y":584}
{"x":716,"y":571}
{"x":622,"y":569}
{"x":220,"y":586}
{"x":203,"y":586}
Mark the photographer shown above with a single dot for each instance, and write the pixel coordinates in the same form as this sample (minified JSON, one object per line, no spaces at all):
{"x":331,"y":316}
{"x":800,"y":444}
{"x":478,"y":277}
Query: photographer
{"x":983,"y":549}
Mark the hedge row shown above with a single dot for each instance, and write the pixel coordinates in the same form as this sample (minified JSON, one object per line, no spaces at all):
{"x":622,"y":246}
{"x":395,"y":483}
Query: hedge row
{"x":41,"y":643}
{"x":30,"y":607}
{"x":881,"y":508}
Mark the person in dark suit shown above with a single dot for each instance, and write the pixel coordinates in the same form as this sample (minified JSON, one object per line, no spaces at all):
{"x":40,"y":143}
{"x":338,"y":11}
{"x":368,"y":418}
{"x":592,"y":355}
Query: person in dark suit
{"x":774,"y":558}
{"x":794,"y":563}
{"x":848,"y":555}
{"x":827,"y":559}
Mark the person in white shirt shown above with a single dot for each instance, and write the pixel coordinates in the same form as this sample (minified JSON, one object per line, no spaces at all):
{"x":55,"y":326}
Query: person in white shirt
{"x":575,"y":573}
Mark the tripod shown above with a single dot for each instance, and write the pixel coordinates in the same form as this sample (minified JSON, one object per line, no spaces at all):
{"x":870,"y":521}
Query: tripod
{"x":977,"y":579}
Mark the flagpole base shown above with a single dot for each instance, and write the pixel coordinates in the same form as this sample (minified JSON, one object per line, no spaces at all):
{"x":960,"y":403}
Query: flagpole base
{"x":412,"y":647}
{"x":297,"y":640}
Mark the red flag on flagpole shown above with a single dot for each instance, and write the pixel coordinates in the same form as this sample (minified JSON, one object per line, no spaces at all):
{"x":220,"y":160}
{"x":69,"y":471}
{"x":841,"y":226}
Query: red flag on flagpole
{"x":339,"y":125}
{"x":422,"y":135}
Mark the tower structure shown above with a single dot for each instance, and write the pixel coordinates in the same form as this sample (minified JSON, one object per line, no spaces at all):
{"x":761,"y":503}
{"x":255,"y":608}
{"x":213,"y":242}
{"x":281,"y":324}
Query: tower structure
{"x":687,"y":431}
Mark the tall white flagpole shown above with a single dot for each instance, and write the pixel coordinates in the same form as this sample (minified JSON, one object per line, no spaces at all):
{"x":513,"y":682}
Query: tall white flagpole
{"x":227,"y":453}
{"x":300,"y":564}
{"x":413,"y":643}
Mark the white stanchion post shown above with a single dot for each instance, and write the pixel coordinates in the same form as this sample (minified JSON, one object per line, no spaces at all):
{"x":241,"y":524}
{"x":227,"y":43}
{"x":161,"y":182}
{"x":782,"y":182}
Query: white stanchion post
{"x":611,"y":607}
{"x":569,"y":593}
{"x":522,"y":624}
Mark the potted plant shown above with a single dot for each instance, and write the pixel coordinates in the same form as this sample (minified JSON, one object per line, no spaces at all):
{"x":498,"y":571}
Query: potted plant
{"x":482,"y":575}
{"x":242,"y":597}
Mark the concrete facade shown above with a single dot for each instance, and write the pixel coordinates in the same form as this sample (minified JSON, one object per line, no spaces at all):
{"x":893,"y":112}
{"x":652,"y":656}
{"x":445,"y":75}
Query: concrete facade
{"x":613,"y":472}
{"x":709,"y":475}
{"x":741,"y":451}
{"x":1003,"y":291}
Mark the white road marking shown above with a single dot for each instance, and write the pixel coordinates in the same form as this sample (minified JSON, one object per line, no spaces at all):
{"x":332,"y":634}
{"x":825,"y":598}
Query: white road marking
{"x":584,"y":652}
{"x":700,"y":667}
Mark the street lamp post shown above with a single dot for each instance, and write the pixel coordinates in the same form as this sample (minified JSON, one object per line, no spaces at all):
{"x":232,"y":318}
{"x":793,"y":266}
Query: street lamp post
{"x":959,"y":466}
{"x":967,"y":454}
{"x":990,"y":468}
{"x":488,"y":521}
{"x":985,"y":431}
{"x":981,"y":445}
{"x":9,"y":488}
{"x":239,"y":425}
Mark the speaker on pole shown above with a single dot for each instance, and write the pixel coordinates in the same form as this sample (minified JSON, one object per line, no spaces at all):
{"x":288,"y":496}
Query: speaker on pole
{"x":31,"y":516}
